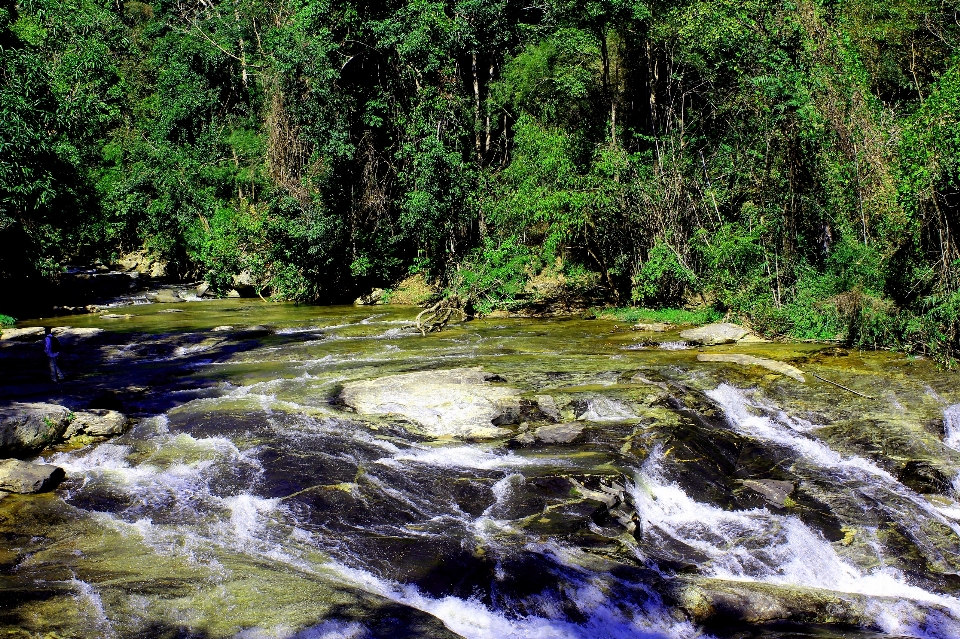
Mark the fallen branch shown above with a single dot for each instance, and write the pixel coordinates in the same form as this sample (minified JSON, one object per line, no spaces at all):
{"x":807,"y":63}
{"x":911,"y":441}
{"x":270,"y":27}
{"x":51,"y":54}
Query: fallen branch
{"x":843,"y":387}
{"x":436,"y":317}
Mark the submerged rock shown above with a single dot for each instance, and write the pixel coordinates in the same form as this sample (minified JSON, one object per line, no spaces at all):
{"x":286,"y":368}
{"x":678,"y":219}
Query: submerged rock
{"x":750,"y":360}
{"x":458,"y":402}
{"x":26,"y":429}
{"x":24,"y":477}
{"x":711,"y":334}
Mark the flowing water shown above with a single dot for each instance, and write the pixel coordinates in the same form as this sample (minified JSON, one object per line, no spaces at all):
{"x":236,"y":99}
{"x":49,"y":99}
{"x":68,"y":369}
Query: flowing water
{"x":248,"y":501}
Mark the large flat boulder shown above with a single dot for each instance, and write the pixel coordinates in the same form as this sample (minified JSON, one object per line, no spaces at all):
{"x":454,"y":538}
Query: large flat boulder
{"x":711,"y":334}
{"x":26,"y":428}
{"x":22,"y":334}
{"x":24,"y":477}
{"x":459,"y":402}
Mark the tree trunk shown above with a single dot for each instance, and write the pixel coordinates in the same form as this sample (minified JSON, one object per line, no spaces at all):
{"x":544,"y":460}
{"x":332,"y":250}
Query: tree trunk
{"x":476,"y":106}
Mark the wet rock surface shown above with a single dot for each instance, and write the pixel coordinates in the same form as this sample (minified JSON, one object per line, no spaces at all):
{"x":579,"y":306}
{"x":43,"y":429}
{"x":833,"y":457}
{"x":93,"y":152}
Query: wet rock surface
{"x":24,"y":477}
{"x":446,"y":403}
{"x":620,"y":492}
{"x":749,"y":360}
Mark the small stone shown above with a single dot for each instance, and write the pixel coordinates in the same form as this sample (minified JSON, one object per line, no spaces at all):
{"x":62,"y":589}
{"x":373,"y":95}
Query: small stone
{"x":116,"y":316}
{"x":203,"y":289}
{"x":233,"y":293}
{"x":24,"y":477}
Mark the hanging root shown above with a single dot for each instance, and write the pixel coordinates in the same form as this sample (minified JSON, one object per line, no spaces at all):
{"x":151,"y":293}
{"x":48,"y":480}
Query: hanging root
{"x":439,"y":315}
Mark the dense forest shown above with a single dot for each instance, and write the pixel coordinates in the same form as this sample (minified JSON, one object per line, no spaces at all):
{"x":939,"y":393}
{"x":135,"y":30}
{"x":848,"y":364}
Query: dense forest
{"x":794,"y":164}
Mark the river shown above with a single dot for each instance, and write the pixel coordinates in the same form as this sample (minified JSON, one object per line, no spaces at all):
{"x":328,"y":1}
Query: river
{"x":248,"y":501}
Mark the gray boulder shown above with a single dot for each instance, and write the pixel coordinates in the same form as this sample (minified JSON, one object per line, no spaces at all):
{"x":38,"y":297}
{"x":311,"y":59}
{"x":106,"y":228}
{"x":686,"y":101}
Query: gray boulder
{"x":96,"y":423}
{"x":165,"y":296}
{"x":559,"y":433}
{"x":448,"y":403}
{"x":24,"y":477}
{"x":712,"y":334}
{"x":25,"y":429}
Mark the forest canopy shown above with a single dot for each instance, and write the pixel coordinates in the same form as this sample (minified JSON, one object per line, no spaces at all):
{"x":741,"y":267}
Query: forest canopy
{"x":794,"y":165}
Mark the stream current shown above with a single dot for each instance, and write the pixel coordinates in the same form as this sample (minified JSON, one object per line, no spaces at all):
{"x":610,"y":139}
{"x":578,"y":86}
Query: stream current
{"x":248,"y":501}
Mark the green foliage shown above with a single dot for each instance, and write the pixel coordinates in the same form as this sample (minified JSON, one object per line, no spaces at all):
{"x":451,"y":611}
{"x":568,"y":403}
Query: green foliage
{"x":666,"y":315}
{"x":662,"y":278}
{"x":794,"y":166}
{"x":495,"y":276}
{"x":6,"y":321}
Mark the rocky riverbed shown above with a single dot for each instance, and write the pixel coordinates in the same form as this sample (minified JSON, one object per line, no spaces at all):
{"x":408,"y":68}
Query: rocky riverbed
{"x":244,"y":469}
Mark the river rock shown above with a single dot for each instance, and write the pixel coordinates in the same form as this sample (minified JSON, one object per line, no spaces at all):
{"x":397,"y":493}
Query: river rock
{"x":774,"y":491}
{"x":71,"y":333}
{"x":750,"y":360}
{"x":548,"y":406}
{"x":655,"y":327}
{"x":711,"y":334}
{"x":203,"y":288}
{"x":165,"y":296}
{"x":718,"y":601}
{"x":559,"y":433}
{"x":22,"y":334}
{"x":24,"y":477}
{"x":373,"y":297}
{"x":446,"y":403}
{"x":604,"y":409}
{"x":96,"y":423}
{"x":26,"y":428}
{"x":116,"y":316}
